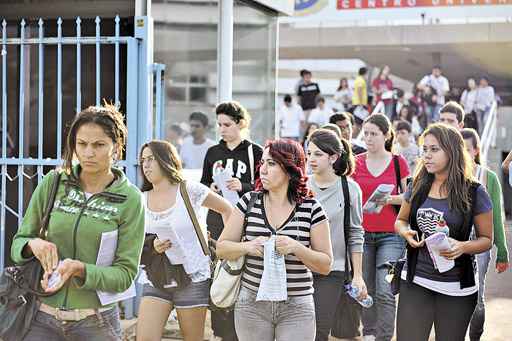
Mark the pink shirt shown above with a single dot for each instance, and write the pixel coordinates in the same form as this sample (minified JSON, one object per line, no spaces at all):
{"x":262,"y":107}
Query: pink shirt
{"x":385,"y":220}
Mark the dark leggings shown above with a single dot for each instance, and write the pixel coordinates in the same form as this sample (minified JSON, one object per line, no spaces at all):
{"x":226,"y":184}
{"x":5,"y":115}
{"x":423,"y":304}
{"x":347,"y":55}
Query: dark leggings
{"x":329,"y":291}
{"x":419,"y":307}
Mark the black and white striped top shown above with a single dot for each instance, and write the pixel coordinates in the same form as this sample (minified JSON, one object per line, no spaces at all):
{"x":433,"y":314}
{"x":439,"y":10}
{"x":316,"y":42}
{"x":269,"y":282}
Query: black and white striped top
{"x":298,"y":225}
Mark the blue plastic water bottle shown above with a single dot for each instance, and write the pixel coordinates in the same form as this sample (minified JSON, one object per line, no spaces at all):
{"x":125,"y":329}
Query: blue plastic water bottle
{"x":353,"y":292}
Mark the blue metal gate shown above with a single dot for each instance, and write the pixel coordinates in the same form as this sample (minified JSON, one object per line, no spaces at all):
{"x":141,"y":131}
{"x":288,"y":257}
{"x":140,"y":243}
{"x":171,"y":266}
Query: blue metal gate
{"x":17,"y":164}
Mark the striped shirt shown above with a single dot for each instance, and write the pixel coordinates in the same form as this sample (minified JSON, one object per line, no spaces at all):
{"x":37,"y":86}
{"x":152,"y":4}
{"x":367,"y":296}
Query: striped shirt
{"x":298,"y":226}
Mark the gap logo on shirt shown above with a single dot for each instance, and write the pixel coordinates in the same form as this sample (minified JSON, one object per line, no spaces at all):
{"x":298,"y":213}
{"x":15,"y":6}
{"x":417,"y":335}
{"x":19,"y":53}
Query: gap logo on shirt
{"x":428,"y":220}
{"x":241,"y":167}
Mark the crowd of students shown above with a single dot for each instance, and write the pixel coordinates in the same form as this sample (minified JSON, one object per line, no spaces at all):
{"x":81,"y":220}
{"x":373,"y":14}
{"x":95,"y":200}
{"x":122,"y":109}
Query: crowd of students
{"x":419,"y":107}
{"x":306,"y":198}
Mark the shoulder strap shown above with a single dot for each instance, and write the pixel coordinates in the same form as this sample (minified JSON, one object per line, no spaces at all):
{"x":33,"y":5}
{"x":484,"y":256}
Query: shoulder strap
{"x":251,"y":162}
{"x":43,"y":229}
{"x":346,"y":228}
{"x":397,"y":174}
{"x":193,"y":218}
{"x":250,"y":205}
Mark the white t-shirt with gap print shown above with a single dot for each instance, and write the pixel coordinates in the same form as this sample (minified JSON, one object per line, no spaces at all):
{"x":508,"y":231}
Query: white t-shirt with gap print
{"x":177,"y":218}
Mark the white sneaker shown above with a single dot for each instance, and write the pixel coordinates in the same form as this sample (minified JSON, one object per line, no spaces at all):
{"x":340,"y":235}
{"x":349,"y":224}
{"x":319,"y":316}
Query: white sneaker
{"x":369,"y":338}
{"x":215,"y":338}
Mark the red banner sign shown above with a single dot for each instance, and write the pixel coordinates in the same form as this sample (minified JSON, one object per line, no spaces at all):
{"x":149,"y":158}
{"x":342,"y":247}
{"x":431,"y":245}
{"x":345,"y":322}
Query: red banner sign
{"x":370,"y":4}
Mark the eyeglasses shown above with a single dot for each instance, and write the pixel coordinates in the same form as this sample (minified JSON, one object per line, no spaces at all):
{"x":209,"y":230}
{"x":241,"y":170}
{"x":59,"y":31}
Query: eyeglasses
{"x":148,"y":159}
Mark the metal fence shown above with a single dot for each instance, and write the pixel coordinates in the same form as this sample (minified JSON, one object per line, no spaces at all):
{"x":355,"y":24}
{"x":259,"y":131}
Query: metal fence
{"x":18,"y":165}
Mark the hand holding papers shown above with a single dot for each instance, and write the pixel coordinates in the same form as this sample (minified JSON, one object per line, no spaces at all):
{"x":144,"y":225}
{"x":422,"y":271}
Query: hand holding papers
{"x":374,"y":202}
{"x":273,"y":281}
{"x":175,"y":253}
{"x":106,"y":254}
{"x":221,"y":178}
{"x":436,"y":243}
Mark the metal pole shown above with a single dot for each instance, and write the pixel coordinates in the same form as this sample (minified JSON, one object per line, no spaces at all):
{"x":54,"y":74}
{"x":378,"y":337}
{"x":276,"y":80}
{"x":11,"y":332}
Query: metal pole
{"x":225,"y":51}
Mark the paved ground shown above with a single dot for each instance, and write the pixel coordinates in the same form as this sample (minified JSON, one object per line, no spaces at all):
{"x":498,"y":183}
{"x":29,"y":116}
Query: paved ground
{"x":498,"y":325}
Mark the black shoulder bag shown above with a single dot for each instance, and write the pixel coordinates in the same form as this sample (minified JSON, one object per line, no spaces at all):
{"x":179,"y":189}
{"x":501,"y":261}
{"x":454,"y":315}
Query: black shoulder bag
{"x":20,"y":285}
{"x":398,"y":177}
{"x":346,"y":230}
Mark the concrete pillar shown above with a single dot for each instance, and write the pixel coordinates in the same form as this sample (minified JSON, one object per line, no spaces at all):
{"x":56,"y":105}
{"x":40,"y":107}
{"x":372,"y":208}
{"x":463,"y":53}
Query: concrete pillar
{"x":225,"y":51}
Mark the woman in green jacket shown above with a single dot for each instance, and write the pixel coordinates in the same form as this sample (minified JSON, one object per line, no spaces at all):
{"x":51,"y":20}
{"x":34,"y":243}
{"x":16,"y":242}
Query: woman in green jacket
{"x":94,"y":201}
{"x":491,"y":182}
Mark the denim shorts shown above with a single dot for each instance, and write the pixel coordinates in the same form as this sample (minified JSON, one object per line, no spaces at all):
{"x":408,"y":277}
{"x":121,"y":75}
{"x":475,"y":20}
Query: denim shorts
{"x":192,"y":296}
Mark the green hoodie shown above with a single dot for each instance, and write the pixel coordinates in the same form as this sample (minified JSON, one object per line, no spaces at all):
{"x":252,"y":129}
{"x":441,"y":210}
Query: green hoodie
{"x":75,"y":227}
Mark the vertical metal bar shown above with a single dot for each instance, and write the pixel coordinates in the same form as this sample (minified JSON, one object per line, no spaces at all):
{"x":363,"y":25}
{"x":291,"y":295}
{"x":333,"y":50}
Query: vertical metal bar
{"x":4,"y":142}
{"x":20,"y":194}
{"x":78,"y":66}
{"x":98,"y":61}
{"x":21,"y":121}
{"x":158,"y":85}
{"x":41,"y":100}
{"x":4,"y":90}
{"x":131,"y":108}
{"x":116,"y":84}
{"x":21,"y":126}
{"x":132,"y":68}
{"x":59,"y":88}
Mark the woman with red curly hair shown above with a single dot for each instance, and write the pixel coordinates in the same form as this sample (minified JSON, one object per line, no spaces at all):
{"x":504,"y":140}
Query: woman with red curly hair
{"x":282,"y":208}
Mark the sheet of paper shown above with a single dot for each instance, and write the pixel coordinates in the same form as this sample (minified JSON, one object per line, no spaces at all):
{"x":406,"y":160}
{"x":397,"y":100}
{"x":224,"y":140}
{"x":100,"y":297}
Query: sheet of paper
{"x":381,"y":192}
{"x":187,"y":252}
{"x":176,"y":253}
{"x":220,"y":180}
{"x":273,"y":281}
{"x":436,"y":243}
{"x":106,"y":254}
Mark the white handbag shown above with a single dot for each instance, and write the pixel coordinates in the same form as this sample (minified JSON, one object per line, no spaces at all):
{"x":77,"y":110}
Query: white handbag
{"x":227,"y":277}
{"x":226,"y":282}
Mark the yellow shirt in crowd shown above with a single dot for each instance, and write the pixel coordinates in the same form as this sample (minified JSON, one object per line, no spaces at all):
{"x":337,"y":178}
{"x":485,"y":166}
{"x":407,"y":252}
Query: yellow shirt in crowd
{"x":360,"y":83}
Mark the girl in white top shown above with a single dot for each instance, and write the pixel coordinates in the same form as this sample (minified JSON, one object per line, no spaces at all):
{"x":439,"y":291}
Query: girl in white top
{"x":165,"y":208}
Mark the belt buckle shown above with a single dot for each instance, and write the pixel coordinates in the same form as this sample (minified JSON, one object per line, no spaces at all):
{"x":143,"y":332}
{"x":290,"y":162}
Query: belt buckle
{"x":22,"y":299}
{"x":67,"y":314}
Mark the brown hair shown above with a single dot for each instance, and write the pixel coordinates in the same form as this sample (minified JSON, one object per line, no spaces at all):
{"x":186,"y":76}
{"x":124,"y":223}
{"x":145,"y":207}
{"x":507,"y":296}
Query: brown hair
{"x":166,"y":156}
{"x":108,"y":118}
{"x":331,"y":144}
{"x":235,"y":111}
{"x":453,"y":107}
{"x":460,"y":168}
{"x":471,"y":134}
{"x":384,"y":124}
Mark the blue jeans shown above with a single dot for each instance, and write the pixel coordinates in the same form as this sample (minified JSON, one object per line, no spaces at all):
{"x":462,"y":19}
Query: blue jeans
{"x":379,"y":248}
{"x":389,"y":110}
{"x":476,"y":328}
{"x":104,"y":327}
{"x":433,"y":112}
{"x":290,"y":320}
{"x":481,"y":117}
